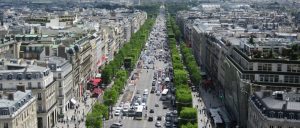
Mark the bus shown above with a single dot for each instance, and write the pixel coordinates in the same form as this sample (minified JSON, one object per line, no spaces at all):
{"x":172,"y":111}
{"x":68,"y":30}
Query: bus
{"x":139,"y":113}
{"x":164,"y":94}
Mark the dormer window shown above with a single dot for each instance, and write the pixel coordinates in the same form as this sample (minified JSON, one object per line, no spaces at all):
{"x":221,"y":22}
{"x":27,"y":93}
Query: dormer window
{"x":291,"y":116}
{"x":271,"y":114}
{"x":19,"y":77}
{"x":280,"y":114}
{"x":9,"y":76}
{"x":28,"y":76}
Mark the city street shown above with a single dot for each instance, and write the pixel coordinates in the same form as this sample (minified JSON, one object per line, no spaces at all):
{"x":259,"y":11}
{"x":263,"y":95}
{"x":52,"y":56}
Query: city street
{"x":153,"y":64}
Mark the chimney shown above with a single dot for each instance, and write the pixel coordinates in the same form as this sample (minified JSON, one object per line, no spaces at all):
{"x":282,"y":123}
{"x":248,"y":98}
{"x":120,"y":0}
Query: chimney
{"x":10,"y":96}
{"x":21,"y":88}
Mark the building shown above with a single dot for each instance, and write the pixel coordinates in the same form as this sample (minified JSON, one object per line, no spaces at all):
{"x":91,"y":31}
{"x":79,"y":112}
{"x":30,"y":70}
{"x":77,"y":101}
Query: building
{"x":39,"y":80}
{"x":274,"y":109}
{"x":18,"y":109}
{"x":63,"y":74}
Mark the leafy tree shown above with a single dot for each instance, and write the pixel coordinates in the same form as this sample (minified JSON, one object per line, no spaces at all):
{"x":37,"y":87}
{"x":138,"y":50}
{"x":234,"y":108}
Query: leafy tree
{"x":188,"y":114}
{"x":93,"y":120}
{"x":190,"y":125}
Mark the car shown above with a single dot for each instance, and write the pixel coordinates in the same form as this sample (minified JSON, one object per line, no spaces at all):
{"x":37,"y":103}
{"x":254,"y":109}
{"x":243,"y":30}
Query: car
{"x":116,"y":125}
{"x":165,"y":107}
{"x":151,"y":110}
{"x":138,"y":91}
{"x":158,"y":124}
{"x":168,"y":114}
{"x":156,"y":105}
{"x":150,"y":118}
{"x":117,"y":112}
{"x":168,"y":119}
{"x":158,"y":118}
{"x":158,"y":93}
{"x":175,"y":113}
{"x":168,"y":124}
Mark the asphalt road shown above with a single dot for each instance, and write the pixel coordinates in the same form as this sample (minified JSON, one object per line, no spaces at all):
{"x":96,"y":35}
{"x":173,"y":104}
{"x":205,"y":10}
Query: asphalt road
{"x":154,"y":47}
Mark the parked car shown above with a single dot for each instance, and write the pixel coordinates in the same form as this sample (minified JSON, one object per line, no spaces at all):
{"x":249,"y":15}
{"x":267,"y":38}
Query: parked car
{"x":116,"y":125}
{"x":158,"y":118}
{"x":158,"y":124}
{"x":151,"y":110}
{"x":150,"y":118}
{"x":168,"y":124}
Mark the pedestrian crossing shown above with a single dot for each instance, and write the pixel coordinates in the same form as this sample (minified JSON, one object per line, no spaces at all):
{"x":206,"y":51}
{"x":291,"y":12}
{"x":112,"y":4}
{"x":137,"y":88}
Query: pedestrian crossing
{"x":132,"y":118}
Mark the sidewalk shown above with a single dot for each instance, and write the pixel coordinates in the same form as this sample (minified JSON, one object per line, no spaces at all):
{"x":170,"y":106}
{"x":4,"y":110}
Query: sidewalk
{"x":79,"y":115}
{"x":203,"y":104}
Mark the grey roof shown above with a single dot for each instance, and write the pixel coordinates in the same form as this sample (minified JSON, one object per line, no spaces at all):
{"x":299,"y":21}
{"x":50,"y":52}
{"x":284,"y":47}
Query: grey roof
{"x":273,"y":103}
{"x":18,"y":95}
{"x":10,"y":108}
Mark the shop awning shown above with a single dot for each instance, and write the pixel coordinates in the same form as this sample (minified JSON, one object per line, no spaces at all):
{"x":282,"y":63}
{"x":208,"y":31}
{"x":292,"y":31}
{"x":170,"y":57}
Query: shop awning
{"x":97,"y":91}
{"x":73,"y":101}
{"x":95,"y":81}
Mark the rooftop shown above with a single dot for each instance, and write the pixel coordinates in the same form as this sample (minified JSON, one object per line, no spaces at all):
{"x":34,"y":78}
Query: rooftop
{"x":11,"y":103}
{"x":277,"y":104}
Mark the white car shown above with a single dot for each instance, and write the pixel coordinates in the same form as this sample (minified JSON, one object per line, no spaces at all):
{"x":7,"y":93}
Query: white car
{"x":146,"y":92}
{"x":117,"y":112}
{"x":158,"y":124}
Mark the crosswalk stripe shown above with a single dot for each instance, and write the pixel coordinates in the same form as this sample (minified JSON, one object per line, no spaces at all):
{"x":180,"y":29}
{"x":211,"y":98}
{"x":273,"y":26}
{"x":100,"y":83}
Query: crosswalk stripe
{"x":132,"y":118}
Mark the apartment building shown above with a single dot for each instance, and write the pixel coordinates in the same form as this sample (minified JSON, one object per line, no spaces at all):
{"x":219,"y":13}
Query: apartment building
{"x":62,"y":73}
{"x":274,"y":109}
{"x":39,"y":80}
{"x":221,"y":45}
{"x":18,"y":109}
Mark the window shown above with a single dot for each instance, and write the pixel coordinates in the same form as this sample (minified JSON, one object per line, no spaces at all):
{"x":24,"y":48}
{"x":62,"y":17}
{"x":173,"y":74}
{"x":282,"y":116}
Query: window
{"x":259,"y":68}
{"x":280,"y":115}
{"x":250,"y":66}
{"x":1,"y":86}
{"x":261,"y":78}
{"x":60,"y":84}
{"x":276,"y":79}
{"x":272,"y":114}
{"x":40,"y":108}
{"x":59,"y":75}
{"x":271,"y":126}
{"x":279,"y":67}
{"x":289,"y":68}
{"x":5,"y":125}
{"x":279,"y":126}
{"x":291,"y":116}
{"x":39,"y":96}
{"x":39,"y":85}
{"x":29,"y":85}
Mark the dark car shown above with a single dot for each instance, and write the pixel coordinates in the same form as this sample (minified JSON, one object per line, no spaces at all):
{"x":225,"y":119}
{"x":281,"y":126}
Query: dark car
{"x":168,"y":114}
{"x":151,"y":110}
{"x":165,"y":107}
{"x":168,"y":124}
{"x":168,"y":119}
{"x":158,"y":118}
{"x":150,"y":118}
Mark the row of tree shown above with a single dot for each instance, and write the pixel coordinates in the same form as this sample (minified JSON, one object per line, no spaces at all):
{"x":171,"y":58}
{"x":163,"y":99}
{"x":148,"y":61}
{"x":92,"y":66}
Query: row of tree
{"x":188,"y":115}
{"x":191,"y":64}
{"x":113,"y":71}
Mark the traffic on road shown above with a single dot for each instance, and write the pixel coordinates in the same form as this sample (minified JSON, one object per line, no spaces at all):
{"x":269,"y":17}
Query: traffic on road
{"x":149,"y":99}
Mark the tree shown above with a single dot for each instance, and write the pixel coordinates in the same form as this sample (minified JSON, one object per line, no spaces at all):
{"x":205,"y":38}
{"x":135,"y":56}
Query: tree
{"x":93,"y":120}
{"x":188,"y":114}
{"x":189,"y":125}
{"x":101,"y":109}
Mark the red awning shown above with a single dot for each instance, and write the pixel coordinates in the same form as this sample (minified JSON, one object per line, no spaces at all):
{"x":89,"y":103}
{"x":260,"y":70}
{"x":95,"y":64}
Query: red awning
{"x":95,"y":81}
{"x":97,"y":91}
